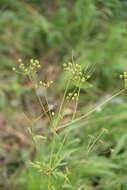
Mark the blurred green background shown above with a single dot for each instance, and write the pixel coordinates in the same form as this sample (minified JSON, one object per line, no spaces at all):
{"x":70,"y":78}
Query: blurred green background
{"x":50,"y":30}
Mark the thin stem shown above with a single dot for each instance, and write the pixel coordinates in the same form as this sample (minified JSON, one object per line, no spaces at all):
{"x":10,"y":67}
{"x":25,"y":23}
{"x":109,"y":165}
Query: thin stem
{"x":95,"y":141}
{"x":82,"y":117}
{"x":57,"y":118}
{"x":91,"y":111}
{"x":54,"y":135}
{"x":76,"y":106}
{"x":31,"y":130}
{"x":60,"y":148}
{"x":63,"y":99}
{"x":50,"y":161}
{"x":47,"y":104}
{"x":39,"y":99}
{"x":65,"y":137}
{"x":41,"y":115}
{"x":49,"y":183}
{"x":38,"y":117}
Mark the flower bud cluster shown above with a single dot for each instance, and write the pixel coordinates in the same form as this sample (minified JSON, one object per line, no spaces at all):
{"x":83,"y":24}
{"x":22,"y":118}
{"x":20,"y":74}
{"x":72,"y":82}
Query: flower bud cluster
{"x":124,"y":78}
{"x":46,"y":84}
{"x":72,"y":96}
{"x":32,"y":66}
{"x":76,"y":72}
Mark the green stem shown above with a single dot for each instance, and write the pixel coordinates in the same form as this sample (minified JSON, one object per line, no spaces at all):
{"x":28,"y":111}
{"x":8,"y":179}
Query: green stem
{"x":91,"y":111}
{"x":38,"y":97}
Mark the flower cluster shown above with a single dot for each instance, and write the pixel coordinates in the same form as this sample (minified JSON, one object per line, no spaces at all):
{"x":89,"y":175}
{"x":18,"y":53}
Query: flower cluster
{"x":29,"y":69}
{"x":76,"y":72}
{"x":32,"y":66}
{"x":46,"y":84}
{"x":72,"y":96}
{"x":124,"y":78}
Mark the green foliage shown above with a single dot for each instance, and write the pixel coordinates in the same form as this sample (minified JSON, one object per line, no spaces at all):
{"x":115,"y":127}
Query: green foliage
{"x":64,"y":160}
{"x":83,"y":155}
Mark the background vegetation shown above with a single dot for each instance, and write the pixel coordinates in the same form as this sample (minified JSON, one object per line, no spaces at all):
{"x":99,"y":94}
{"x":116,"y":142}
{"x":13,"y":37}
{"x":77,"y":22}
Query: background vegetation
{"x":96,"y":32}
